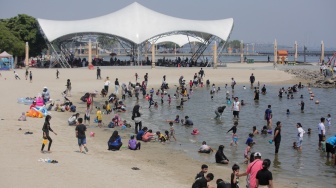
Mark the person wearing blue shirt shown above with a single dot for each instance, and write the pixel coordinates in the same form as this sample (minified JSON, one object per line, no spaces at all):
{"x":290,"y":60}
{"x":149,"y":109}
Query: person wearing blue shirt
{"x":330,"y":146}
{"x":250,"y":139}
{"x":141,"y":133}
{"x":114,"y":142}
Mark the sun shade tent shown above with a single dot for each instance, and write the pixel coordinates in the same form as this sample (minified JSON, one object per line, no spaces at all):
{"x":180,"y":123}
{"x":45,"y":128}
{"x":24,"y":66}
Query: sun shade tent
{"x":137,"y":24}
{"x":177,"y":39}
{"x":6,"y":60}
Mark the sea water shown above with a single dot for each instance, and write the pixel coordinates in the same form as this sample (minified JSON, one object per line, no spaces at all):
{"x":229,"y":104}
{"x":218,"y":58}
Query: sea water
{"x":308,"y":167}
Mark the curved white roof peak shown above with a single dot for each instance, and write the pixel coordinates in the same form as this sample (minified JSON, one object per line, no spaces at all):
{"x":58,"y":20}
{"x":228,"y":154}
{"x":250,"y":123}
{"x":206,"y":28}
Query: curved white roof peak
{"x":135,"y":23}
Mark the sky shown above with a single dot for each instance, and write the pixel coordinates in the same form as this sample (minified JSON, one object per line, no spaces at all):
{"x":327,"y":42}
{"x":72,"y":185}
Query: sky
{"x":255,"y":21}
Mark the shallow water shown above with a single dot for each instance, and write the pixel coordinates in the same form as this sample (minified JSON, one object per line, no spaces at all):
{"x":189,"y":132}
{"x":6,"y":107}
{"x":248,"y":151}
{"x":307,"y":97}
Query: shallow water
{"x":307,"y":168}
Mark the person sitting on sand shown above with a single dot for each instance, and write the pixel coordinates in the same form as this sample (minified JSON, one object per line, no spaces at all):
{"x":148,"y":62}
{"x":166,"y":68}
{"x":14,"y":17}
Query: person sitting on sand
{"x":33,"y":105}
{"x":205,"y":148}
{"x":148,"y":136}
{"x":220,"y":156}
{"x":72,"y":120}
{"x":141,"y":133}
{"x":133,"y":145}
{"x":114,"y":142}
{"x":161,"y":137}
{"x":22,"y":117}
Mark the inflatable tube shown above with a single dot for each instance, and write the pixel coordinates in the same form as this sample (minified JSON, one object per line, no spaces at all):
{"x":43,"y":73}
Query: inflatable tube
{"x":28,"y":102}
{"x":42,"y":110}
{"x":195,"y":132}
{"x":206,"y":151}
{"x":269,"y":131}
{"x":21,"y":100}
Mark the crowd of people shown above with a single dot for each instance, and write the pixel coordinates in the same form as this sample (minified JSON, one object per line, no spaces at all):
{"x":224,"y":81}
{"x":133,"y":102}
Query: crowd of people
{"x":257,"y":169}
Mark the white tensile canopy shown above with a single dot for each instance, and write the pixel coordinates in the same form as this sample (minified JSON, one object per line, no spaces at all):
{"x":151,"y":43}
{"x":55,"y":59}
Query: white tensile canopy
{"x":7,"y":61}
{"x":177,"y":39}
{"x":137,"y":24}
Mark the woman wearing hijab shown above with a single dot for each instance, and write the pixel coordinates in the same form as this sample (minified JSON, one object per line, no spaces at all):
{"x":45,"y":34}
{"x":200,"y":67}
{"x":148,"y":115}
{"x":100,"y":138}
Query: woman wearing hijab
{"x":115,"y":142}
{"x":220,"y":156}
{"x":46,"y":128}
{"x":136,"y":116}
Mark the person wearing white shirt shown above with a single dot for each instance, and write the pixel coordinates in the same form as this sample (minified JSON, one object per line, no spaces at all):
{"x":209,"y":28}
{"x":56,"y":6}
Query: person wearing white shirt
{"x":321,"y":131}
{"x":236,"y":107}
{"x":107,"y":84}
{"x":299,"y":136}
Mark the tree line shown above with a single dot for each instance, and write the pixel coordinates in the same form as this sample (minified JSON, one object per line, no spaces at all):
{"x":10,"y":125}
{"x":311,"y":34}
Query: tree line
{"x":18,"y":30}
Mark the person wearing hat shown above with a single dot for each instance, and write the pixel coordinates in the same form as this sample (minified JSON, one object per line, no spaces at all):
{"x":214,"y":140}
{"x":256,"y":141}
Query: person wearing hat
{"x":45,"y":95}
{"x":252,"y":170}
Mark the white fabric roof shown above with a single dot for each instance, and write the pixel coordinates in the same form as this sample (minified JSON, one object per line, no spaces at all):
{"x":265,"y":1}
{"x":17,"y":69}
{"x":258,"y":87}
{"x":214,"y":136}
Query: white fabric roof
{"x":5,"y":54}
{"x":178,"y":39}
{"x":136,"y":23}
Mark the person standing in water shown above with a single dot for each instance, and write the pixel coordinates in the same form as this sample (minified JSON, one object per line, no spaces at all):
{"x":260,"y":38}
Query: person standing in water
{"x":268,"y":117}
{"x":252,"y":79}
{"x":256,"y":94}
{"x":236,"y":108}
{"x":321,"y":131}
{"x":299,"y":136}
{"x":30,"y":76}
{"x":277,"y":136}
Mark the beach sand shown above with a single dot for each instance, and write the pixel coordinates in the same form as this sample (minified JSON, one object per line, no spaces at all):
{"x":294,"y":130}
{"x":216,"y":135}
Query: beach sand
{"x":159,"y":166}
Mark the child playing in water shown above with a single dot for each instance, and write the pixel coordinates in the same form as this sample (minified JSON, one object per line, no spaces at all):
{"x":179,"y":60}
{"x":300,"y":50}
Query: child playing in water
{"x":167,"y":135}
{"x":329,"y":121}
{"x":264,"y":130}
{"x":288,"y":112}
{"x":172,"y":131}
{"x":211,"y":94}
{"x":169,"y":99}
{"x":323,"y":143}
{"x":247,"y":153}
{"x":161,"y":137}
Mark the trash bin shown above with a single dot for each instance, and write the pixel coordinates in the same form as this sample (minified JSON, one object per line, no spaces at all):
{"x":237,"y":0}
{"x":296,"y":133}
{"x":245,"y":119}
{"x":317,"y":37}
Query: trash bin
{"x":250,"y":60}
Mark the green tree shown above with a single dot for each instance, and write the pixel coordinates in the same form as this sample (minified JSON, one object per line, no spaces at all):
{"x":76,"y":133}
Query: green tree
{"x":235,"y":44}
{"x":106,"y":41}
{"x":10,"y":43}
{"x":26,"y":29}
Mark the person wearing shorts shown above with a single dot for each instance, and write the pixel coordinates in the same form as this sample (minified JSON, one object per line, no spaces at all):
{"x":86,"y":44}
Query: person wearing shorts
{"x":321,"y":131}
{"x":87,"y":116}
{"x":236,"y":107}
{"x":80,"y":134}
{"x":331,"y":146}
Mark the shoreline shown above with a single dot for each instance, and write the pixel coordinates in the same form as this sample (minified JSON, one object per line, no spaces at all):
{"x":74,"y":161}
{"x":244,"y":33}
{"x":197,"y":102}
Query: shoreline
{"x":158,"y":163}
